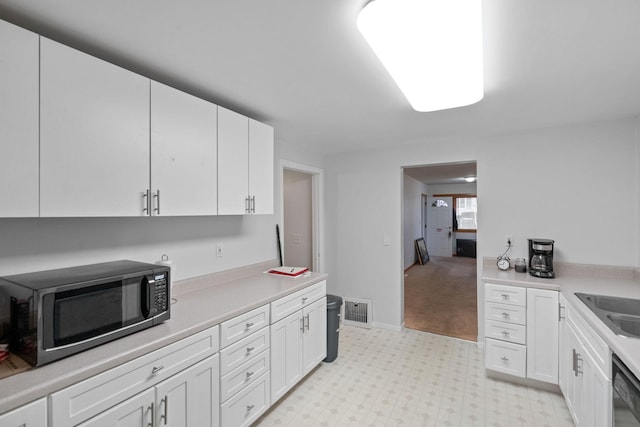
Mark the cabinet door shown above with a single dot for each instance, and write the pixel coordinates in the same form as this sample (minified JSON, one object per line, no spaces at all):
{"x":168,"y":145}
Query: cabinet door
{"x":286,"y":354}
{"x":183,"y":153}
{"x":573,"y":382}
{"x":233,"y":163}
{"x":137,"y":411}
{"x":18,"y":122}
{"x":564,"y":365}
{"x":190,"y":398}
{"x":315,"y":335}
{"x":542,"y":335}
{"x":33,"y":414}
{"x":94,"y":135}
{"x":260,"y":167}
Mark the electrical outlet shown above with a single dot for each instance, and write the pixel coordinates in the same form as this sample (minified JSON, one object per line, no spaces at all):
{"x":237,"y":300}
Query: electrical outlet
{"x":508,"y":240}
{"x":219,"y":251}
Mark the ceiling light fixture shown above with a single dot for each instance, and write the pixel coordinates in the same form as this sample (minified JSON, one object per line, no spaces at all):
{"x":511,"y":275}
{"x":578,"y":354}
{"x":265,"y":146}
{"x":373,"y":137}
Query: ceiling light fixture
{"x":431,"y":48}
{"x":470,"y":178}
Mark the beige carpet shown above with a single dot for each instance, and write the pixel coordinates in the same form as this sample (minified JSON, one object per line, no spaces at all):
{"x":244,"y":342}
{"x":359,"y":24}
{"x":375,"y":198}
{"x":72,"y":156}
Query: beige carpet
{"x":440,"y":297}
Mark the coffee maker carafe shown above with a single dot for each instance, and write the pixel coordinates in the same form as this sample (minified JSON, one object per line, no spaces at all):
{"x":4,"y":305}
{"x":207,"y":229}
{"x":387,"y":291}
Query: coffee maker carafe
{"x":541,"y":258}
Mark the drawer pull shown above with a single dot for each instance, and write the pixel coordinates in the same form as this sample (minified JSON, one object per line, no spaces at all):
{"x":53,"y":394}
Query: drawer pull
{"x":505,"y":333}
{"x":156,"y":369}
{"x":505,"y":296}
{"x":505,"y":360}
{"x":249,"y":374}
{"x":249,"y":325}
{"x":304,"y":299}
{"x":250,"y":349}
{"x":505,"y":315}
{"x":250,"y":407}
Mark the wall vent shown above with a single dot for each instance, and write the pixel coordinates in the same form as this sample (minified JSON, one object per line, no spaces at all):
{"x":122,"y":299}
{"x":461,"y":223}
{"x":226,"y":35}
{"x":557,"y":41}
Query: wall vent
{"x":357,"y":312}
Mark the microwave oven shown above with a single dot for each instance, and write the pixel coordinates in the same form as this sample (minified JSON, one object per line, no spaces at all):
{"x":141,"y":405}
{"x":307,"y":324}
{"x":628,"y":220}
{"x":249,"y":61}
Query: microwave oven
{"x":56,"y":313}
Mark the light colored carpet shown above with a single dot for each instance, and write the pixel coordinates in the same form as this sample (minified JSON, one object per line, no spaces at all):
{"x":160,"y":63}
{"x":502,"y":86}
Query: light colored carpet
{"x":441,"y":297}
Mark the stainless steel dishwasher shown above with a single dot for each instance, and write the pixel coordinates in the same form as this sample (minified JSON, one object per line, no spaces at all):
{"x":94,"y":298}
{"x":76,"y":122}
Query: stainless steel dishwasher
{"x":626,"y":396}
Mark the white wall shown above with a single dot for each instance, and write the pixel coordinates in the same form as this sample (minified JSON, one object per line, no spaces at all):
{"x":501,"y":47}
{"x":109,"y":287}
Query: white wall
{"x":37,"y":244}
{"x":412,"y":216}
{"x":577,"y":185}
{"x":297,"y":219}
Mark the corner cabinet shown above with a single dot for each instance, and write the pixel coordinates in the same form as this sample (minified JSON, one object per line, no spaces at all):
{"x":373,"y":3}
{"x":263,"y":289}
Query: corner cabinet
{"x":245,"y":165}
{"x":585,"y":371}
{"x":521,"y":329}
{"x":94,"y":135}
{"x":298,"y":337}
{"x":183,"y":154}
{"x":33,"y":414}
{"x":19,"y":56}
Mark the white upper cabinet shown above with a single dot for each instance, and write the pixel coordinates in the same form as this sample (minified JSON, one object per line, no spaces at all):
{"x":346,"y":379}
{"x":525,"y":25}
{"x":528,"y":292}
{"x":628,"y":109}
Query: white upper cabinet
{"x":245,"y":165}
{"x":183,"y":153}
{"x":94,"y":136}
{"x":260,"y":167}
{"x":233,"y":163}
{"x":18,"y":122}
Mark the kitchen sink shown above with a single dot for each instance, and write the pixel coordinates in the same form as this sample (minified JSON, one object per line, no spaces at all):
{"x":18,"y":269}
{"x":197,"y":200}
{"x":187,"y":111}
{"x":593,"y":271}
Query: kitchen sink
{"x":621,"y":315}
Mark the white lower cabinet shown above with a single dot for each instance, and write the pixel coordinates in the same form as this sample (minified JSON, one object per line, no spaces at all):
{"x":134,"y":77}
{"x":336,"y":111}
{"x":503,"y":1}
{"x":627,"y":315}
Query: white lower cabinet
{"x":521,"y":330}
{"x":33,"y":414}
{"x":585,"y":380}
{"x":245,"y":367}
{"x":298,"y":341}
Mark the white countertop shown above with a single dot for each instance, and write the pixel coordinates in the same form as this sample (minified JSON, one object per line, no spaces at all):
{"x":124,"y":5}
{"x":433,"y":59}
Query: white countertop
{"x":601,"y":280}
{"x":209,"y":301}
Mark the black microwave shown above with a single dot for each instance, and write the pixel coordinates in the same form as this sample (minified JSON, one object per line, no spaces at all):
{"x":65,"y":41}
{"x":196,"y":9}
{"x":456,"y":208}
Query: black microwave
{"x":56,"y":313}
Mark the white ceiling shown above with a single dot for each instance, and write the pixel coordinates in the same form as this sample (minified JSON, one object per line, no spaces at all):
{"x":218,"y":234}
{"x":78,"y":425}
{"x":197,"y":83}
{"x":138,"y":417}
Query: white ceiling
{"x":302,"y":66}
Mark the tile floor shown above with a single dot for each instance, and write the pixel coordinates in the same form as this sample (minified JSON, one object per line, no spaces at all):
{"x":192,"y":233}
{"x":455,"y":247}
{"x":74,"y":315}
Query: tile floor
{"x":411,"y":378}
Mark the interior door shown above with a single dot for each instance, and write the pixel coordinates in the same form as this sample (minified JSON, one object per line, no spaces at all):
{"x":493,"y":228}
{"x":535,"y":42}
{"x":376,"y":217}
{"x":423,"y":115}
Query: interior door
{"x":440,"y":226}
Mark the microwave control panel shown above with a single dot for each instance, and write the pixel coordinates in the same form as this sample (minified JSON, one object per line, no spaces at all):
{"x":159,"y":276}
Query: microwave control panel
{"x":161,"y":293}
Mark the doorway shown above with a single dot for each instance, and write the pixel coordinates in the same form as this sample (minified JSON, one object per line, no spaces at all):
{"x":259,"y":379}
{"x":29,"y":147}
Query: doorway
{"x":301,"y":216}
{"x":441,"y":295}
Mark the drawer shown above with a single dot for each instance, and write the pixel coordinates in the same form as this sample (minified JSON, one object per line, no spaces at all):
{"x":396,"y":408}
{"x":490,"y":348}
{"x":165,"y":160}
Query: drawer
{"x":245,"y":407}
{"x":81,"y":401}
{"x":506,"y":357}
{"x":243,"y":375}
{"x":244,"y":325}
{"x":506,"y":331}
{"x":237,"y":354}
{"x":505,"y":313}
{"x":284,"y":306}
{"x":505,"y":294}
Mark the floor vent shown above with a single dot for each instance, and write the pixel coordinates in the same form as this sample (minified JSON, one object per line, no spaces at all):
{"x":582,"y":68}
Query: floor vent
{"x":357,"y":312}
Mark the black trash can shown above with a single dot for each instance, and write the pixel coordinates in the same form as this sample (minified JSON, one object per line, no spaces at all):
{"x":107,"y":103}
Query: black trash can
{"x":334,"y":303}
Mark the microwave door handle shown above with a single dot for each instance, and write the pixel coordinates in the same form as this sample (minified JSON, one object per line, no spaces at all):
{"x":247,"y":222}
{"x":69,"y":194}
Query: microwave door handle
{"x":145,"y":301}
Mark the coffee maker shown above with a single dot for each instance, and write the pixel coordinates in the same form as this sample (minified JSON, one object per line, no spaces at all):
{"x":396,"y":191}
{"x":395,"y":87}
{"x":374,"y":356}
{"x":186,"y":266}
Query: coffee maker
{"x":541,"y":258}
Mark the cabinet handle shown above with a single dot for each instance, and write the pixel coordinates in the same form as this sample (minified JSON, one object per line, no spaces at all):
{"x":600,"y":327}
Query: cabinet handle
{"x":577,"y":363}
{"x":157,"y":197}
{"x":302,"y":325}
{"x":156,"y":369}
{"x":247,"y":205}
{"x":151,"y":409}
{"x":505,"y":315}
{"x":307,"y":321}
{"x":249,"y":325}
{"x":165,"y":416}
{"x":560,"y":312}
{"x":145,"y":201}
{"x":505,"y":360}
{"x":505,"y":296}
{"x":249,"y":375}
{"x":250,"y":407}
{"x":505,"y":333}
{"x":253,"y":204}
{"x":250,"y":349}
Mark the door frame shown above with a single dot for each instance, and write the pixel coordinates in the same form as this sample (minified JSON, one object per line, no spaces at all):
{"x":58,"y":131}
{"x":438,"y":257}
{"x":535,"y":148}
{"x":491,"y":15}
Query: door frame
{"x":317,"y":209}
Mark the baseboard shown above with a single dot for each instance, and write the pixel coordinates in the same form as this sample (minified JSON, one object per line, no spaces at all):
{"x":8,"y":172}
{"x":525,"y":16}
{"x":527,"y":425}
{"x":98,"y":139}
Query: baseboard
{"x":388,"y":327}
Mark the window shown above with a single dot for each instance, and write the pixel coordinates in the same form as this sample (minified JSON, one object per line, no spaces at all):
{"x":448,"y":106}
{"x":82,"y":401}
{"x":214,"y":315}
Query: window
{"x":466,"y":208}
